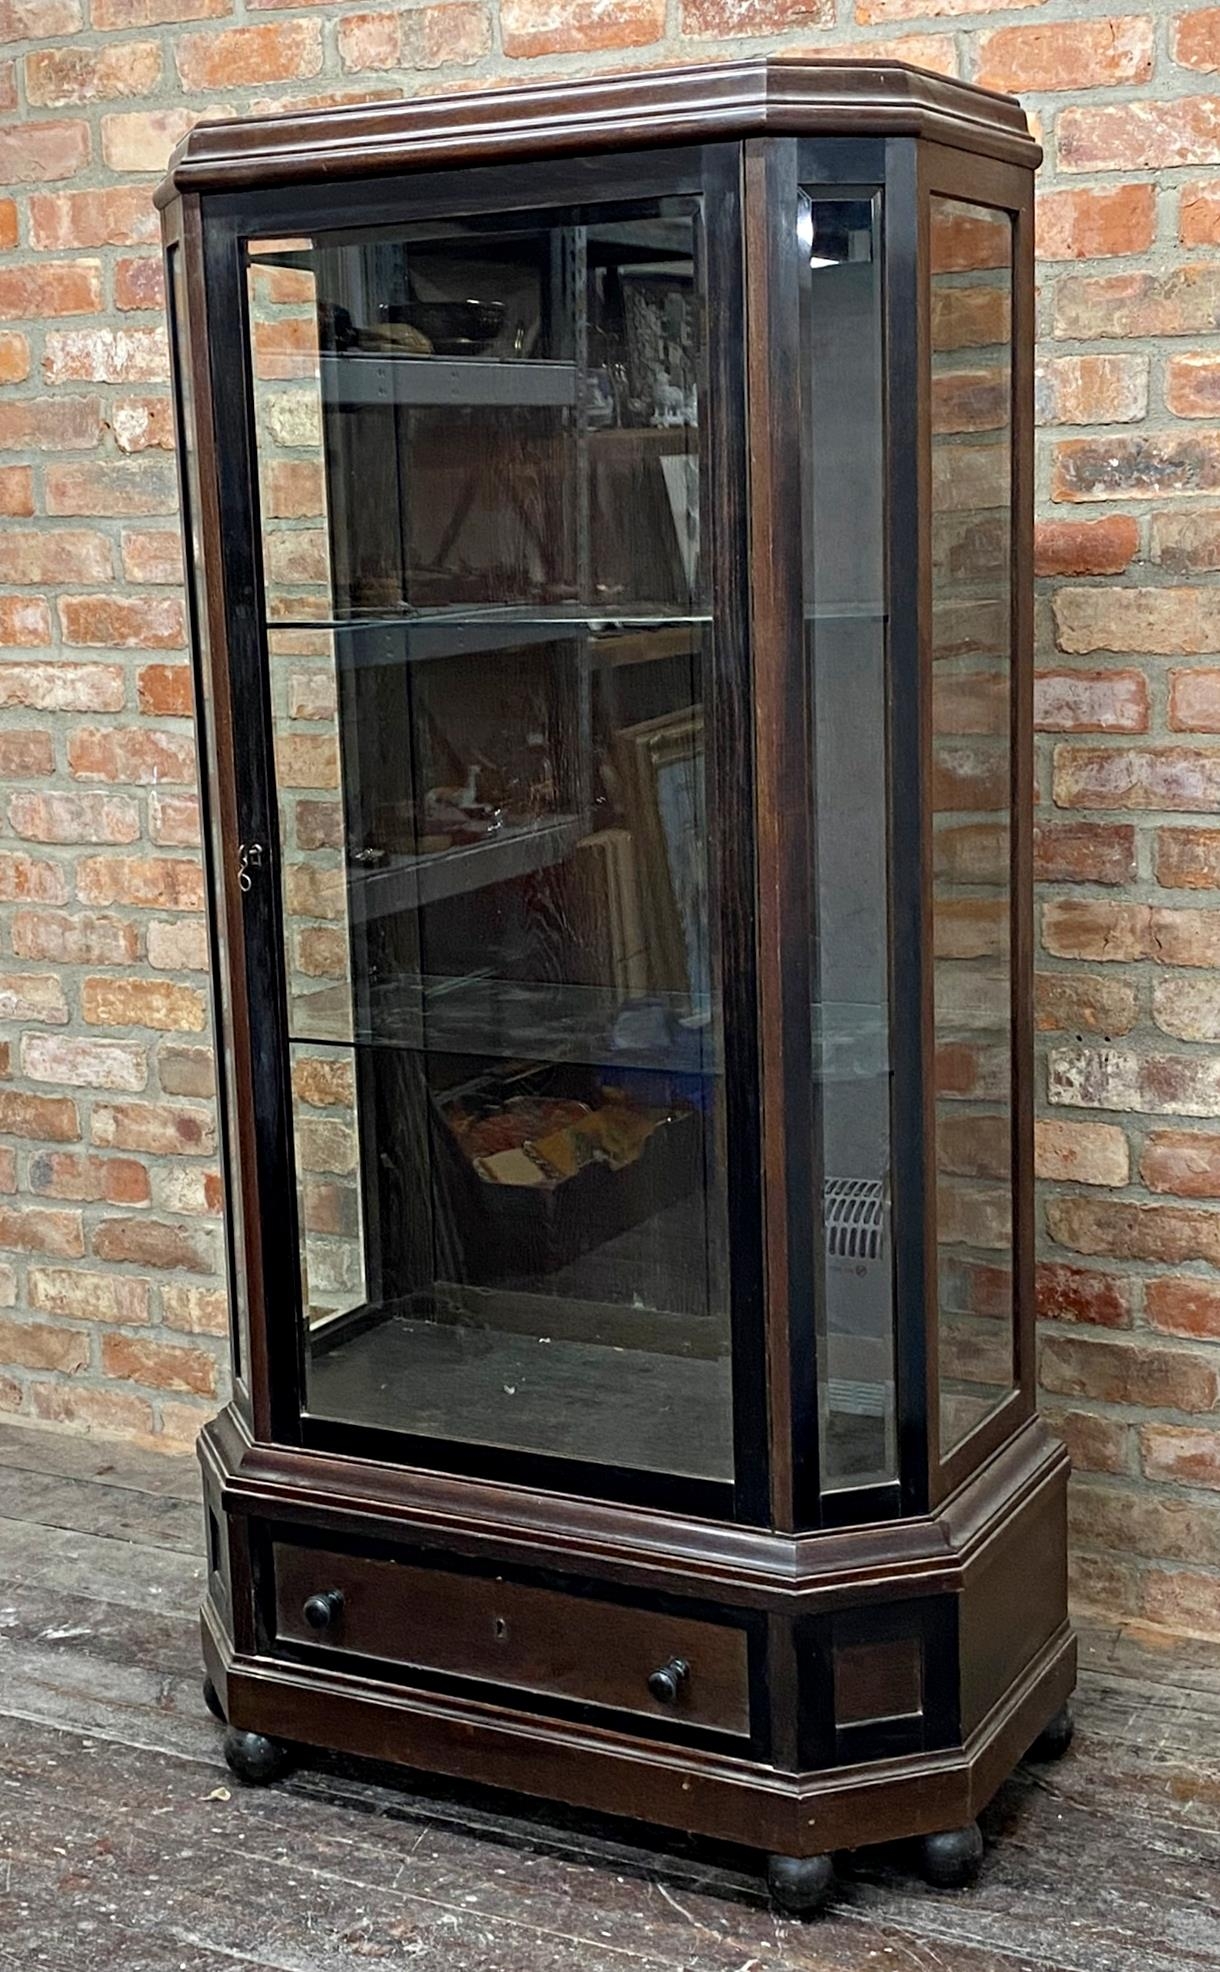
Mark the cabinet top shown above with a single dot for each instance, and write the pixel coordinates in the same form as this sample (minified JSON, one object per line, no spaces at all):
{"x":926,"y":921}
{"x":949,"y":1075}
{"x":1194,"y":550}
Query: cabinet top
{"x":766,"y":95}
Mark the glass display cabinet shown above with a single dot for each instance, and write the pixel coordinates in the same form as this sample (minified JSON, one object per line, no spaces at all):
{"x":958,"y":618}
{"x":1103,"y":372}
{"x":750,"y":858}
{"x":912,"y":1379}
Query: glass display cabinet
{"x":608,"y":509}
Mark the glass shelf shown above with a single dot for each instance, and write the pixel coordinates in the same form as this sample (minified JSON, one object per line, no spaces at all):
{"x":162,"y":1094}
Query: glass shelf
{"x":403,"y":883}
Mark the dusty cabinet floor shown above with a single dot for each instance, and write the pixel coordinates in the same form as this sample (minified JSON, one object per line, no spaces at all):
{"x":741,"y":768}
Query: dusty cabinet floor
{"x":124,"y":1841}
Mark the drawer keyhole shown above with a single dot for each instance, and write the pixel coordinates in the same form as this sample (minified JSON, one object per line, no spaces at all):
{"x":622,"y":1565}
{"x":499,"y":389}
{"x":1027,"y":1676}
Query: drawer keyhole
{"x":499,"y":1629}
{"x":666,"y":1684}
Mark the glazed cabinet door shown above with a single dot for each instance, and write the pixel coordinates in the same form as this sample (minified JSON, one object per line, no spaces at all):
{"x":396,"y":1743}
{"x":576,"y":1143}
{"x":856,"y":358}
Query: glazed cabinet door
{"x":480,"y":448}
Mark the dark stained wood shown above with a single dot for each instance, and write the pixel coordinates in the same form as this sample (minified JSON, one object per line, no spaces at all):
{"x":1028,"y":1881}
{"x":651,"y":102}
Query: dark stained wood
{"x":514,"y":1633}
{"x":123,"y":1840}
{"x":736,"y":99}
{"x":479,"y":1580}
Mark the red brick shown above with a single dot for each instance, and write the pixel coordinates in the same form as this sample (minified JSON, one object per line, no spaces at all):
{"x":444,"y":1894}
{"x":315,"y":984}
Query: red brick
{"x":38,"y":151}
{"x":25,"y":622}
{"x":155,"y":1243}
{"x":1188,"y":858}
{"x":159,"y":1365}
{"x":33,"y":996}
{"x":105,"y":355}
{"x":59,"y":939}
{"x":84,"y":1296}
{"x":39,"y":20}
{"x":1194,"y":38}
{"x":1095,"y":929}
{"x":86,"y":1064}
{"x":48,"y":1119}
{"x":1181,"y":302}
{"x":125,"y":486}
{"x":1189,"y":1009}
{"x":1064,"y":54}
{"x":38,"y":1229}
{"x":53,"y":555}
{"x":1174,"y":777}
{"x":57,"y":77}
{"x":237,"y":56}
{"x":178,"y":945}
{"x":119,"y":215}
{"x":77,"y":1175}
{"x":16,"y":492}
{"x":1199,"y":213}
{"x":1186,"y":543}
{"x":1164,"y":622}
{"x":1095,"y":1444}
{"x":1182,"y":1305}
{"x":8,"y":224}
{"x":141,"y":140}
{"x":23,"y":877}
{"x":1184,"y":1162}
{"x":1182,"y":1600}
{"x":722,"y":18}
{"x":143,"y":424}
{"x":574,"y":27}
{"x":1139,"y":136}
{"x":173,"y":820}
{"x":1082,"y":1295}
{"x":1091,"y":701}
{"x":150,"y":882}
{"x":40,"y":1345}
{"x":450,"y":35}
{"x":152,"y":554}
{"x":186,"y":1071}
{"x":1096,"y":224}
{"x":143,"y":1003}
{"x":139,"y":283}
{"x":1192,"y":386}
{"x":879,"y":11}
{"x":111,"y":15}
{"x":1181,"y":1453}
{"x":123,"y":622}
{"x":1084,"y":852}
{"x":14,"y":357}
{"x":1194,"y":701}
{"x":51,"y":424}
{"x":1081,"y":1153}
{"x":110,"y":1411}
{"x":164,"y":690}
{"x":26,"y":754}
{"x":195,"y":1310}
{"x":159,"y":1129}
{"x":1119,"y":1230}
{"x":1091,"y":390}
{"x":57,"y":817}
{"x":1115,"y":1372}
{"x":129,"y":753}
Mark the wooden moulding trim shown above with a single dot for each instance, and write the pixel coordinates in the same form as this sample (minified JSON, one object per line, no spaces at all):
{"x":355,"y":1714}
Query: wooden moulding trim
{"x":716,"y":100}
{"x":687,"y":1787}
{"x":905,"y":1557}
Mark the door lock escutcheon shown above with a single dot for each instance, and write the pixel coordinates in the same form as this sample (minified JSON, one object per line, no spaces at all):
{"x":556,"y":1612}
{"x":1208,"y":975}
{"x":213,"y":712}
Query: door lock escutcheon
{"x":249,"y":857}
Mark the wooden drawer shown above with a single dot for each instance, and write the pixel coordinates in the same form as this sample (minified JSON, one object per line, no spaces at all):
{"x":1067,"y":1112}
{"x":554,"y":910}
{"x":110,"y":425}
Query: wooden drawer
{"x":542,"y":1640}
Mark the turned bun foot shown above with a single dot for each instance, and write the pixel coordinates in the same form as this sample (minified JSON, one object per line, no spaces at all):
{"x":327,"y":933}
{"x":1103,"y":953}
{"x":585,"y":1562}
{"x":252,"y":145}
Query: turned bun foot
{"x":211,"y":1698}
{"x":950,"y":1861}
{"x":1054,"y":1739}
{"x":255,"y":1758}
{"x":800,"y":1885}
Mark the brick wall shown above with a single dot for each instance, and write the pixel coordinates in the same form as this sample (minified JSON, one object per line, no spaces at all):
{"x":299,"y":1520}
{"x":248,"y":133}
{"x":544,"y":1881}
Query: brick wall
{"x":111,"y":1308}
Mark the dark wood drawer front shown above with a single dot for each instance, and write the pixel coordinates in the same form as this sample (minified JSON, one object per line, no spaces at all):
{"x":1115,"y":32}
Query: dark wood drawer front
{"x":511,"y":1633}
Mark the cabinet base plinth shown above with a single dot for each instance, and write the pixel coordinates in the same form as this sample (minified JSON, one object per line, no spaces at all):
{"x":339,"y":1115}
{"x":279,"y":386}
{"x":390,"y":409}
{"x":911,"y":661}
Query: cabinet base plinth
{"x":800,"y":1885}
{"x":211,"y":1698}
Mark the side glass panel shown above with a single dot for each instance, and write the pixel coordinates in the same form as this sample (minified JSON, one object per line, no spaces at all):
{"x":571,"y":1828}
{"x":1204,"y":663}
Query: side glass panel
{"x":972,"y":697}
{"x":488,"y":637}
{"x":226,"y":1103}
{"x":843,"y":502}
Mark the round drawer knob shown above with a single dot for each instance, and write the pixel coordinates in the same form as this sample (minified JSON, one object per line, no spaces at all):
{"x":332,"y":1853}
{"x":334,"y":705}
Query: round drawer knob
{"x":666,"y":1684}
{"x":323,"y":1609}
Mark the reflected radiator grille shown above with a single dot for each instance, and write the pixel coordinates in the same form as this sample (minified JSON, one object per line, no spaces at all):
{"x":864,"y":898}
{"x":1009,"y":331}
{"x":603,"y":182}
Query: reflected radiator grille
{"x":854,"y":1216}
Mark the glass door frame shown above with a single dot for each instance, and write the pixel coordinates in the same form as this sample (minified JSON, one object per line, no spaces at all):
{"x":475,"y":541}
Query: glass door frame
{"x":261,"y":1038}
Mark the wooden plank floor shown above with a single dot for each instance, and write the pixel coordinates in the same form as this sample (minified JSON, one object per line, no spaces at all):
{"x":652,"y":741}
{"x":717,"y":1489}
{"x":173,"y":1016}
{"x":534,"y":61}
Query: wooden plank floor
{"x":126,"y":1847}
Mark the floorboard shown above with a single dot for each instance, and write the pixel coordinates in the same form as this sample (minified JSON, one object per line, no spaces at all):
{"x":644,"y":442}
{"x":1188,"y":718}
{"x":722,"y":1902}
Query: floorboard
{"x":124,"y":1841}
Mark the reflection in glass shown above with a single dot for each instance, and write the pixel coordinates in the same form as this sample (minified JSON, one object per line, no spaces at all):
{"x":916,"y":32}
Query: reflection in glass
{"x":845,"y":616}
{"x":488,"y":641}
{"x":971,"y":248}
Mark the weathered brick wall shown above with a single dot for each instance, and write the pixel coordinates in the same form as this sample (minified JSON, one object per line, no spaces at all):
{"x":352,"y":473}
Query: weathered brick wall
{"x":111,"y":1307}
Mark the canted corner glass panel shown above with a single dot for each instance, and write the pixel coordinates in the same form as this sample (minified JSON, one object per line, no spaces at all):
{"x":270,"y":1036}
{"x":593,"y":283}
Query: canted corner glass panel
{"x":843,"y":459}
{"x":971,"y":276}
{"x":488,"y":636}
{"x":179,"y":828}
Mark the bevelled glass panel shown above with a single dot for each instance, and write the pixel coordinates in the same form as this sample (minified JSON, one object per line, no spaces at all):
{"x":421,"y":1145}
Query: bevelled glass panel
{"x":972,"y":796}
{"x":488,"y":635}
{"x":843,"y":503}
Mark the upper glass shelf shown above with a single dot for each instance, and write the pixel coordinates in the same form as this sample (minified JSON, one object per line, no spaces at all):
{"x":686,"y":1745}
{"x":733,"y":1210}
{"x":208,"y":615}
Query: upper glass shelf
{"x":416,"y":635}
